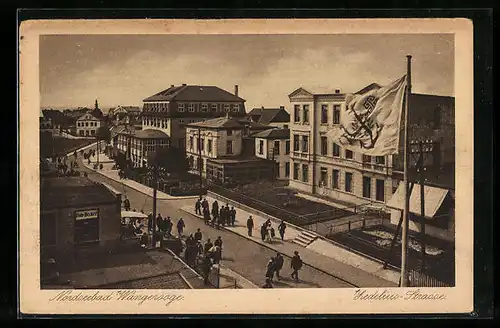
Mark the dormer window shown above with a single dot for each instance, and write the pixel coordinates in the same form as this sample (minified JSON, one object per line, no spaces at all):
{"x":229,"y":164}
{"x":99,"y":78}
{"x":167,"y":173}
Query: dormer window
{"x":236,"y":108}
{"x":191,"y":107}
{"x":214,"y":107}
{"x":181,"y":107}
{"x":204,"y":107}
{"x":226,"y":108}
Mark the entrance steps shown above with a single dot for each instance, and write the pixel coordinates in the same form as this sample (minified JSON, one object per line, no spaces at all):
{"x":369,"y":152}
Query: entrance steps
{"x":304,"y":238}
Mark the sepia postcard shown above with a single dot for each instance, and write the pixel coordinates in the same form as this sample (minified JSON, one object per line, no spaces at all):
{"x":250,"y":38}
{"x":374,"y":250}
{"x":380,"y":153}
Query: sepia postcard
{"x":268,"y":166}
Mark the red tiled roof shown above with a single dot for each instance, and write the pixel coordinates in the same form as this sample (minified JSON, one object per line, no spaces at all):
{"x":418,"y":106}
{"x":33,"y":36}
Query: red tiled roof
{"x":194,"y":93}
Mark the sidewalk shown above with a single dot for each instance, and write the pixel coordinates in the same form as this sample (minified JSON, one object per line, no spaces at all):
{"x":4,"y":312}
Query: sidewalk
{"x":113,"y":175}
{"x":327,"y":264}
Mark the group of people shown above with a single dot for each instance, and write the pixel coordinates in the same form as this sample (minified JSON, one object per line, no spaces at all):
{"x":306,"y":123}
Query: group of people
{"x":275,"y":264}
{"x":225,"y":216}
{"x":267,"y":231}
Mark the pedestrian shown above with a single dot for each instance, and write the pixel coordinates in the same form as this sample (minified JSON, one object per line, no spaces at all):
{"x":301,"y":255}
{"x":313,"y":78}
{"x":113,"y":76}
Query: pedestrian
{"x":150,"y":222}
{"x":168,"y":226}
{"x":159,"y":223}
{"x":278,"y":264}
{"x":197,"y":207}
{"x":216,"y":254}
{"x":296,"y":265}
{"x":268,"y":284}
{"x":126,"y":204}
{"x":144,"y":240}
{"x":180,"y":227}
{"x":228,"y":215}
{"x":268,"y":233}
{"x":281,"y":229}
{"x":270,"y":269}
{"x":199,"y":247}
{"x":207,"y":246}
{"x":221,"y":218}
{"x":206,"y":216}
{"x":218,"y":242}
{"x":198,"y":235}
{"x":250,"y":225}
{"x":215,"y":208}
{"x":205,"y":204}
{"x":263,"y":231}
{"x":206,"y":266}
{"x":233,"y":216}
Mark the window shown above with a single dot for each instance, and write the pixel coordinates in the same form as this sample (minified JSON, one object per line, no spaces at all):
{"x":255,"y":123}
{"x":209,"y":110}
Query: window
{"x":296,"y":142}
{"x":229,"y":132}
{"x":191,"y":107}
{"x":285,"y":126}
{"x":86,"y":123}
{"x":305,"y":172}
{"x":305,"y":113}
{"x":229,"y":147}
{"x":367,"y":187}
{"x":336,"y":150}
{"x":204,"y":107}
{"x":209,"y":146}
{"x":367,"y":159}
{"x":324,"y":146}
{"x":295,"y":171}
{"x":348,"y":182}
{"x":379,"y":190}
{"x":348,"y":154}
{"x":226,"y":108}
{"x":380,"y":160}
{"x":191,"y":143}
{"x":180,"y":107}
{"x":287,"y":147}
{"x":336,"y":114}
{"x":323,"y":179}
{"x":296,"y":113}
{"x":287,"y":169}
{"x":335,"y":179}
{"x":92,"y":132}
{"x":276,"y":148}
{"x":261,"y":147}
{"x":202,"y":144}
{"x":236,"y":108}
{"x":48,"y":230}
{"x":305,"y":143}
{"x":214,"y":107}
{"x":324,"y":114}
{"x":437,"y":118}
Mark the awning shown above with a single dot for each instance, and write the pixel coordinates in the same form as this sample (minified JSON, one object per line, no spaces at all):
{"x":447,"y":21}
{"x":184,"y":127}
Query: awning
{"x":433,"y":196}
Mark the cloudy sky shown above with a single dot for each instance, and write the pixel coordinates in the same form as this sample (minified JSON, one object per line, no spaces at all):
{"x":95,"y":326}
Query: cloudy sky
{"x":123,"y":70}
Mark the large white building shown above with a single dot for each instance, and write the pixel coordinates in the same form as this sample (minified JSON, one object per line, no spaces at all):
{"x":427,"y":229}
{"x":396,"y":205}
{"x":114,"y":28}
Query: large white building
{"x":88,"y":124}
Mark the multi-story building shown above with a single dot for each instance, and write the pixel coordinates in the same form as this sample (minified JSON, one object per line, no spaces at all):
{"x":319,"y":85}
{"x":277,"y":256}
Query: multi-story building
{"x":90,"y":122}
{"x":275,"y":117}
{"x":127,"y":113}
{"x":137,"y":144}
{"x":320,"y":166}
{"x":223,"y":149}
{"x":274,"y":144}
{"x":170,"y":110}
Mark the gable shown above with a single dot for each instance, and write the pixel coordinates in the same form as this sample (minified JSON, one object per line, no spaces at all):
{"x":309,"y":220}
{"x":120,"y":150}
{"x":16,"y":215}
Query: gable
{"x":300,"y":92}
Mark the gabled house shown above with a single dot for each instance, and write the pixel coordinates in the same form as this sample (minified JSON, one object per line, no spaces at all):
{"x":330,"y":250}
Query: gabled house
{"x":276,"y":117}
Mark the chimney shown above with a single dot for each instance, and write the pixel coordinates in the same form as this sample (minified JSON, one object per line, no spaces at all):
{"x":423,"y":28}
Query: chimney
{"x":282,"y":107}
{"x":172,"y":85}
{"x":183,"y":84}
{"x":337,"y":90}
{"x":236,"y":90}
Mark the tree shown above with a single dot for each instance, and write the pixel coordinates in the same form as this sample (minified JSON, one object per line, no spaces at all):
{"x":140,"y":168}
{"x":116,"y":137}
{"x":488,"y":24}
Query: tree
{"x":172,"y":159}
{"x":103,"y":133}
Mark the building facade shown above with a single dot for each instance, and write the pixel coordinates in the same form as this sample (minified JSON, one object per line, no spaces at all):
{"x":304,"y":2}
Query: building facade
{"x":136,"y":145}
{"x":88,"y":124}
{"x":170,"y":110}
{"x":275,"y":117}
{"x":274,"y":144}
{"x":217,"y":144}
{"x":127,"y":113}
{"x":76,"y":214}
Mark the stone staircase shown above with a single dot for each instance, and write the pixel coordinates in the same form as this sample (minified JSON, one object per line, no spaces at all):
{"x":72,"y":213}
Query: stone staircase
{"x":305,"y":238}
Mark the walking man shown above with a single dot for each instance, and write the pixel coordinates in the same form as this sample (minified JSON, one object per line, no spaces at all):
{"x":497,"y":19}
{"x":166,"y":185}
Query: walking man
{"x":197,"y":207}
{"x":206,"y":216}
{"x":270,"y":269}
{"x":126,"y":204}
{"x":278,"y":264}
{"x":296,"y":265}
{"x":180,"y":227}
{"x":250,"y":225}
{"x":281,"y":229}
{"x":168,"y":225}
{"x":159,"y":223}
{"x":233,"y":216}
{"x":198,"y":235}
{"x":263,"y":231}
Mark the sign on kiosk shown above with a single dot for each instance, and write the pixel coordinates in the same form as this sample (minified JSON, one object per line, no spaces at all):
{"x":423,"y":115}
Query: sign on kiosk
{"x":86,"y":214}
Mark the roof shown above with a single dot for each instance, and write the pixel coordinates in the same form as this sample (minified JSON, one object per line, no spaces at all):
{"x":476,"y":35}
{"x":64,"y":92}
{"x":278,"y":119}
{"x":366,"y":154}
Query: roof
{"x":227,"y":122}
{"x":128,"y":108}
{"x":270,"y":115}
{"x":151,"y":134}
{"x":236,"y":159}
{"x":73,"y":192}
{"x":273,"y":134}
{"x":90,"y":116}
{"x":194,"y":93}
{"x":434,"y":197}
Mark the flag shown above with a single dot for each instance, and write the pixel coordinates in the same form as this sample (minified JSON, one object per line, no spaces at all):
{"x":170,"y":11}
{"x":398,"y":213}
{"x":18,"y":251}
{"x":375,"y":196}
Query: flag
{"x":370,"y":122}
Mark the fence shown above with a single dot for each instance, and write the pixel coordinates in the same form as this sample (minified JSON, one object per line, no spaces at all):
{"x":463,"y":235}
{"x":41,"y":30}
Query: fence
{"x":419,"y":279}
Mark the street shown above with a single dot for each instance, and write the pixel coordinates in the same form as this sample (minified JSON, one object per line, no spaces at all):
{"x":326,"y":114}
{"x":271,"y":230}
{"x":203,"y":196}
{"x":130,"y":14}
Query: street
{"x":243,"y":256}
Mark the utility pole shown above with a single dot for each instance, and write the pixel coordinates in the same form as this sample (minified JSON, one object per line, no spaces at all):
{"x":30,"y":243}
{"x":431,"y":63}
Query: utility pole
{"x":200,"y":159}
{"x":422,"y":200}
{"x":155,"y":185}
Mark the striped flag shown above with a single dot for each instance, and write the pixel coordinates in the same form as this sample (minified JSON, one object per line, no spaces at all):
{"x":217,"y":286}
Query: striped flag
{"x":370,"y":122}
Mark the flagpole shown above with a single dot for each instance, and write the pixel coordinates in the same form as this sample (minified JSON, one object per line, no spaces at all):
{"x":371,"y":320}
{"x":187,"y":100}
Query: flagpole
{"x":404,"y":233}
